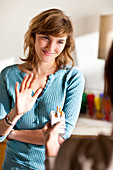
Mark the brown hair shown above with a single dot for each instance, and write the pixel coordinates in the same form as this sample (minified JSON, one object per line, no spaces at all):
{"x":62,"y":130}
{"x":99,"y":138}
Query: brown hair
{"x":98,"y":150}
{"x":108,"y":75}
{"x":50,"y":22}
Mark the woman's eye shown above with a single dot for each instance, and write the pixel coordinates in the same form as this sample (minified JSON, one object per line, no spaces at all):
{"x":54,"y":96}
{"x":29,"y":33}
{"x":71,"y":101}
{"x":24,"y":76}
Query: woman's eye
{"x":46,"y":38}
{"x":60,"y":42}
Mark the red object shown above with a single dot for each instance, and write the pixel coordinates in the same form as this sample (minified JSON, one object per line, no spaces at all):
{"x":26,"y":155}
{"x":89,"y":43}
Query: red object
{"x":90,"y":101}
{"x":107,"y":108}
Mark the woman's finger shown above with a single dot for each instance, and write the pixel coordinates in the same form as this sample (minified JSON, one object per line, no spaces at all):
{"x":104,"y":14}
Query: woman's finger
{"x":29,"y":80}
{"x":16,"y":90}
{"x":47,"y":126}
{"x":37,"y":93}
{"x":57,"y":126}
{"x":54,"y":129}
{"x":22,"y":86}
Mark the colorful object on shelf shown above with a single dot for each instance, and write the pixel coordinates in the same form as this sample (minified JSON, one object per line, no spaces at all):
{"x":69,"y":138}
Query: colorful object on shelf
{"x":98,"y":107}
{"x":101,"y":106}
{"x":107,"y":108}
{"x":84,"y":103}
{"x":90,"y":101}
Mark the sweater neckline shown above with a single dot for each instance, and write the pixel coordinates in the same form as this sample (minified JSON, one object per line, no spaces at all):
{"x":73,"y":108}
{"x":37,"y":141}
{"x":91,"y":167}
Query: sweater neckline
{"x":49,"y":77}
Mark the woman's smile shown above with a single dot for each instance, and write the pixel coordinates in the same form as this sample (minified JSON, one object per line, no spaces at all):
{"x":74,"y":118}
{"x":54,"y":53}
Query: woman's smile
{"x":47,"y":52}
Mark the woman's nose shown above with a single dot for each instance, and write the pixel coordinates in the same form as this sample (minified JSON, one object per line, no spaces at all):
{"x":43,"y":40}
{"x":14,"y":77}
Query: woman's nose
{"x":51,"y":46}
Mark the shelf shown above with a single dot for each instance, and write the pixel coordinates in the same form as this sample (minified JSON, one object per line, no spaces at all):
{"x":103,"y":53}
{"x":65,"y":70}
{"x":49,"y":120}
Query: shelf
{"x":92,"y":127}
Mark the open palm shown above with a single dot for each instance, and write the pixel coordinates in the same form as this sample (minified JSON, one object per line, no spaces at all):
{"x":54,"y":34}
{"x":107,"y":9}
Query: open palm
{"x":24,"y":99}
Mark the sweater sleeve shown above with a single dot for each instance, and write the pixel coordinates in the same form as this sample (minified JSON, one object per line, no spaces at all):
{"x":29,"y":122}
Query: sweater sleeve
{"x":4,"y":101}
{"x":74,"y":91}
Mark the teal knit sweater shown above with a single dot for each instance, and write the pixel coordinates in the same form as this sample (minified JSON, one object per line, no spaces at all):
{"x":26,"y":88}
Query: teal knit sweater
{"x":63,"y":89}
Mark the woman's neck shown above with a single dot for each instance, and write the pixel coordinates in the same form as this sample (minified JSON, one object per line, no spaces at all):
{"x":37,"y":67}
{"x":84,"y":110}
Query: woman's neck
{"x":39,"y":68}
{"x":45,"y":68}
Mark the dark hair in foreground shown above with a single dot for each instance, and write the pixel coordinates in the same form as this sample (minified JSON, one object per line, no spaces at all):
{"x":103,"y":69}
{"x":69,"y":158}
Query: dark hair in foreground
{"x":108,"y":75}
{"x":86,"y":153}
{"x":50,"y":22}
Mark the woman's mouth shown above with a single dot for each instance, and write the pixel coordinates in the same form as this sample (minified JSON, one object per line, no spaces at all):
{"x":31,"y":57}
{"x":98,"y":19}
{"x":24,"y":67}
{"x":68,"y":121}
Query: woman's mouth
{"x":47,"y":53}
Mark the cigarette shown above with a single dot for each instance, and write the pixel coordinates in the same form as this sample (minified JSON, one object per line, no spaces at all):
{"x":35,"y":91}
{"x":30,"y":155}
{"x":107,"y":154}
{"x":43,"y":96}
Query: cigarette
{"x":58,"y":113}
{"x":62,"y":113}
{"x":60,"y":110}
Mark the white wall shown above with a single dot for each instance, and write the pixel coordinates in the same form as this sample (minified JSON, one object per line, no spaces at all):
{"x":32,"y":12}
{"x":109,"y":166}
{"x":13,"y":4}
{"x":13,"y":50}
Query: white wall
{"x":16,"y":14}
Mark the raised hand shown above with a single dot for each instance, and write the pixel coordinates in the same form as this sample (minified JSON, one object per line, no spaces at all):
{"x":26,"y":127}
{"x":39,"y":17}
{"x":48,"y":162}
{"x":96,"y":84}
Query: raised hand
{"x":24,"y":99}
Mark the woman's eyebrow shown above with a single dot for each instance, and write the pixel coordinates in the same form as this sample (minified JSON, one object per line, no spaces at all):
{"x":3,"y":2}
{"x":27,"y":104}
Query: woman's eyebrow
{"x":62,"y":39}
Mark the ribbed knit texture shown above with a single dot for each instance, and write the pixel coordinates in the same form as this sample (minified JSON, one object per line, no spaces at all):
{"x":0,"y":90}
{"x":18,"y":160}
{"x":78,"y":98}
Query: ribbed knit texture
{"x":63,"y":89}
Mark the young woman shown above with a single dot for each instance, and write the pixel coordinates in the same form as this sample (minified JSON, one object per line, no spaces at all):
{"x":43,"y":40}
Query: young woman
{"x":29,"y":91}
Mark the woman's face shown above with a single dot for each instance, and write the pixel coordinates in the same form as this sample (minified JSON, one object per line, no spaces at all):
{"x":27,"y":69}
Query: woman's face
{"x":48,"y":47}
